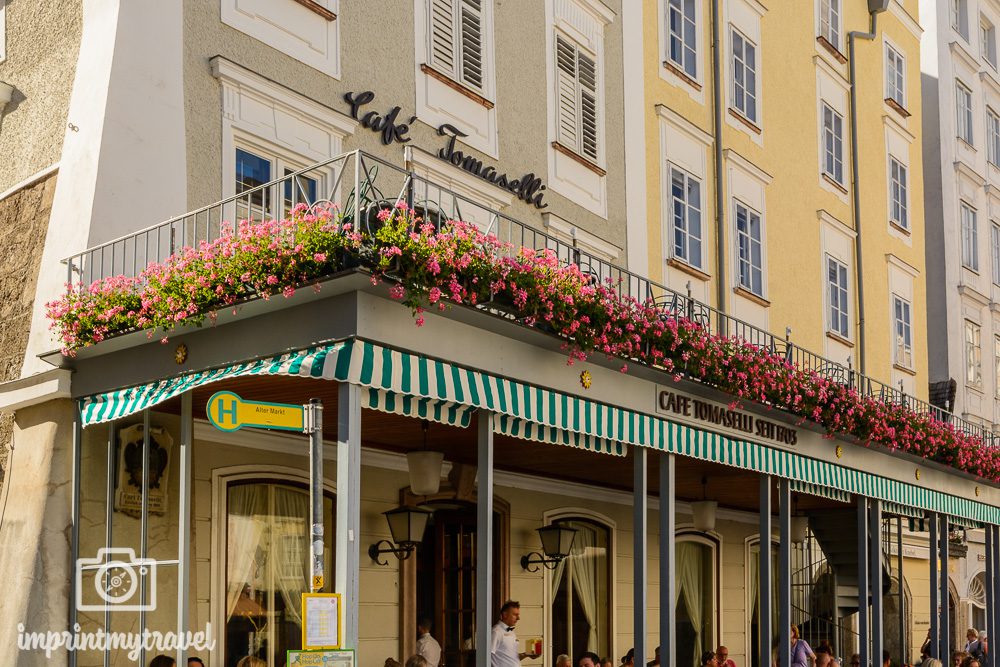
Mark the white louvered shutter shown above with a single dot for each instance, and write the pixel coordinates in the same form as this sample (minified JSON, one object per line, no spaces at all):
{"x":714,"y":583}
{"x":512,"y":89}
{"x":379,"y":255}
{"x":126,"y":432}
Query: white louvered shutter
{"x":442,"y":36}
{"x":471,"y":12}
{"x":566,"y":75}
{"x":588,"y":106}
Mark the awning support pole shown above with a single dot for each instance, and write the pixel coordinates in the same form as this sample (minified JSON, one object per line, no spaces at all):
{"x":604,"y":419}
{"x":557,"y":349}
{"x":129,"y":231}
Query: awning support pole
{"x":74,"y":546}
{"x":785,"y":572}
{"x":184,"y":521}
{"x":640,"y":553}
{"x":990,"y":597}
{"x":348,"y":526}
{"x":668,"y":560}
{"x":484,"y":539}
{"x":764,"y":575}
{"x":864,"y":638}
{"x":944,"y":596}
{"x":875,"y":571}
{"x":932,"y":548}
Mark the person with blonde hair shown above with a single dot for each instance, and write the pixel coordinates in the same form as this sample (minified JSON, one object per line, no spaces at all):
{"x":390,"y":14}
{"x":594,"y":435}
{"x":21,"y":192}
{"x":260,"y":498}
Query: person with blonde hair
{"x":251,"y":661}
{"x":416,"y":661}
{"x":931,"y":662}
{"x":802,"y":653}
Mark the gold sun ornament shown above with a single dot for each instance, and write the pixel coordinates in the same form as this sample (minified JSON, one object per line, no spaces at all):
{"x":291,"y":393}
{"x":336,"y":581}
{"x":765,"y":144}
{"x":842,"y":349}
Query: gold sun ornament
{"x":916,"y":473}
{"x":839,"y":451}
{"x":586,"y":379}
{"x":181,"y":354}
{"x":977,"y":491}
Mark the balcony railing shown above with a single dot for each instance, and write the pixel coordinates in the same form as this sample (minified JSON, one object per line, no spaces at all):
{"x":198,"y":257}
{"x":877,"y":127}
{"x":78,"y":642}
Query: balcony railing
{"x":371,"y":183}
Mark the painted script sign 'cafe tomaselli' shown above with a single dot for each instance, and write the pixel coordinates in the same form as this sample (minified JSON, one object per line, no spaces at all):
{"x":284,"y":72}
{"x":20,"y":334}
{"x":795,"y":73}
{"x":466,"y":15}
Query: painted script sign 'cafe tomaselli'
{"x":699,"y":412}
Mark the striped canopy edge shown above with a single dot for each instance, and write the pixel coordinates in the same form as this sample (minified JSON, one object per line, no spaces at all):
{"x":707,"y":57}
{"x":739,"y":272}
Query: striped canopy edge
{"x":821,"y":491}
{"x":370,"y":365}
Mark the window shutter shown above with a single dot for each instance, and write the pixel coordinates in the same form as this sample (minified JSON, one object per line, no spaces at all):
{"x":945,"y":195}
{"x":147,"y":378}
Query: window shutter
{"x":588,"y":106}
{"x":472,"y":43}
{"x":566,"y":73}
{"x":442,"y":35}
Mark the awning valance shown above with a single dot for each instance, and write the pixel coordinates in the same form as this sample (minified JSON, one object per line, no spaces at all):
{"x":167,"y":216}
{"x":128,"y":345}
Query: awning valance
{"x":452,"y":392}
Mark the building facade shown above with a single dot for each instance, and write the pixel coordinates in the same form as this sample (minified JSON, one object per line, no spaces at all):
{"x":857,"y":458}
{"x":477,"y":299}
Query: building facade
{"x":519,"y":120}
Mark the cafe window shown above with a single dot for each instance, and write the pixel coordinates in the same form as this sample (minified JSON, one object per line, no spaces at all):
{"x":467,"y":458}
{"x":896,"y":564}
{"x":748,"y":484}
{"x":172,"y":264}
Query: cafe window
{"x":895,"y":76}
{"x":255,"y":167}
{"x":682,"y":22}
{"x":744,"y":63}
{"x":749,"y":250}
{"x":833,"y":144}
{"x":685,"y":213}
{"x":697,"y":597}
{"x":581,"y":592}
{"x":457,"y":46}
{"x":902,"y":332}
{"x":267,"y":567}
{"x":973,"y":355}
{"x":829,"y":22}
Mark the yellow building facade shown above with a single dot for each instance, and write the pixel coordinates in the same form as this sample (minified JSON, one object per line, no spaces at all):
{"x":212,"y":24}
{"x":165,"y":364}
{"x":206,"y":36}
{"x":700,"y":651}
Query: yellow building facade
{"x":785,"y":251}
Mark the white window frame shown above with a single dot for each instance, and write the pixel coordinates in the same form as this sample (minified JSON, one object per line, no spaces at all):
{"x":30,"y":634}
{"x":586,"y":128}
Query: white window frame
{"x":895,"y":75}
{"x":992,"y":137}
{"x":714,"y":543}
{"x":996,"y":366}
{"x":689,"y":53}
{"x":578,"y":145}
{"x":838,"y":304}
{"x":970,"y":236}
{"x":832,"y":142}
{"x":995,"y":252}
{"x":281,"y":161}
{"x":740,"y":64}
{"x":696,"y":262}
{"x":964,"y":113}
{"x":456,"y":69}
{"x":739,"y":237}
{"x":902,"y":331}
{"x":988,"y":41}
{"x":972,"y":336}
{"x":830,"y":22}
{"x":3,"y":30}
{"x":899,"y":193}
{"x":959,"y":14}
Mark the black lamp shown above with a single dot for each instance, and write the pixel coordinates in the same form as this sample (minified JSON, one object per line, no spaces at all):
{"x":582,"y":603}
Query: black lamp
{"x":406,"y":525}
{"x":557,"y":541}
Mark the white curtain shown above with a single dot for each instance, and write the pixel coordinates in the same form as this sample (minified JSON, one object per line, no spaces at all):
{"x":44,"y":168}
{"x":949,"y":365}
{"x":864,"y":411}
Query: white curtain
{"x":754,"y":581}
{"x":690,"y":580}
{"x":585,"y":578}
{"x":246,"y":530}
{"x":291,"y":511}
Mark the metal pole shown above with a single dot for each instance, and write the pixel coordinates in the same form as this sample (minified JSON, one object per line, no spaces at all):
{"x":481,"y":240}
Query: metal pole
{"x":668,"y":560}
{"x":995,"y":625}
{"x":902,"y":592}
{"x":144,"y":528}
{"x":484,"y":539}
{"x":864,"y":649}
{"x":314,"y":428}
{"x":184,"y":521}
{"x":764,"y":568}
{"x":640,"y":530}
{"x":875,"y":570}
{"x":109,"y":513}
{"x":990,"y":600}
{"x":784,"y":573}
{"x":932,"y":548}
{"x":75,"y":521}
{"x":945,"y":594}
{"x":348,"y":525}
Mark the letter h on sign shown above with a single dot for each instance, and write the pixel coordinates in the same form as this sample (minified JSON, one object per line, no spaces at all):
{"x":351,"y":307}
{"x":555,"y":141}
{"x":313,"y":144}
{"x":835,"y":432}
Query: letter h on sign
{"x":222,"y":412}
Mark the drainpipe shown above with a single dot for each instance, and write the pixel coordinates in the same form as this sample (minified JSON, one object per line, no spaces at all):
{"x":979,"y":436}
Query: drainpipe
{"x":875,"y":7}
{"x":720,"y":208}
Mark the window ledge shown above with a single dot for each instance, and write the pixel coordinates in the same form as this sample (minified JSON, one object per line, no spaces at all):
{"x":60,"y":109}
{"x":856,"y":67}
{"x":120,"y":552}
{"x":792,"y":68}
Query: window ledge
{"x":897,"y":107}
{"x":455,"y":85}
{"x":317,"y":8}
{"x":833,"y":335}
{"x":978,"y":388}
{"x":677,"y":71}
{"x":966,"y":144}
{"x":572,"y":154}
{"x":832,"y":181}
{"x":834,"y":51}
{"x":970,"y":269}
{"x":899,"y":228}
{"x":746,"y":121}
{"x":906,"y":369}
{"x":695,"y":272}
{"x":747,"y":294}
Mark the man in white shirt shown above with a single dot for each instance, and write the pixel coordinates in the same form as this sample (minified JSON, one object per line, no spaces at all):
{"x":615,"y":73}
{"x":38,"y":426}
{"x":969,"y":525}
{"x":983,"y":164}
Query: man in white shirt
{"x":427,"y":646}
{"x":503,"y":641}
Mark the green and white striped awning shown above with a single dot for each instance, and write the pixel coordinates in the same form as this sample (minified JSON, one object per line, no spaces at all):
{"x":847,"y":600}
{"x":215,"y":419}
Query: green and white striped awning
{"x":411,"y":384}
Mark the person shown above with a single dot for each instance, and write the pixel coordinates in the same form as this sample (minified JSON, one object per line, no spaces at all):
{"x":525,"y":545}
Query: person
{"x":722,"y":657}
{"x":856,"y":660}
{"x":930,"y":662}
{"x":162,"y":661}
{"x":416,"y":661}
{"x":973,"y":646}
{"x":655,"y":662}
{"x":251,"y":661}
{"x":427,"y":646}
{"x":628,"y":660}
{"x":886,"y":658}
{"x":708,"y":659}
{"x":591,"y":659}
{"x":607,"y":662}
{"x":503,"y":641}
{"x":563,"y":660}
{"x":823,"y":657}
{"x":195,"y":661}
{"x":925,"y":648}
{"x":802,"y":653}
{"x":958,"y":657}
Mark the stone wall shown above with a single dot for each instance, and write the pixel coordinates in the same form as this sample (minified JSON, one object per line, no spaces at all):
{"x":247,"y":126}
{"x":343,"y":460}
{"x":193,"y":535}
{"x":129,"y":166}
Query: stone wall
{"x":24,"y":219}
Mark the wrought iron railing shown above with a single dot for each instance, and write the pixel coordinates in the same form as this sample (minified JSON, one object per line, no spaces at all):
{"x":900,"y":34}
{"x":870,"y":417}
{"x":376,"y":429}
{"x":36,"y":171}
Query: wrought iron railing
{"x":361,"y":184}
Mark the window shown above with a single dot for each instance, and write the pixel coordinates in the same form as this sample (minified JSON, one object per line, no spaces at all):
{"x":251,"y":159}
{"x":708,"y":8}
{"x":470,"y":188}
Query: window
{"x":457,"y":41}
{"x":833,"y":144}
{"x":836,"y":278}
{"x":829,"y":21}
{"x":996,"y":366}
{"x":895,"y":76}
{"x":963,"y":113}
{"x":970,"y":238}
{"x":683,"y":27}
{"x":749,"y":250}
{"x":988,"y":41}
{"x":973,"y":355}
{"x":993,"y":144}
{"x":697,"y":595}
{"x":268,"y":567}
{"x":685,"y":199}
{"x":995,"y":252}
{"x":254,"y":169}
{"x":903,"y":332}
{"x":960,"y":17}
{"x":745,"y":76}
{"x":581,"y":592}
{"x":577,"y":97}
{"x":897,"y":194}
